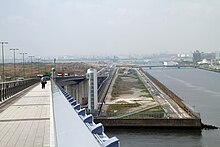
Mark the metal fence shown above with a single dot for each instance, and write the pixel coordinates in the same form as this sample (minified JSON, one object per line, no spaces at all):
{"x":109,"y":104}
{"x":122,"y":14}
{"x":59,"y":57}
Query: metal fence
{"x":8,"y":89}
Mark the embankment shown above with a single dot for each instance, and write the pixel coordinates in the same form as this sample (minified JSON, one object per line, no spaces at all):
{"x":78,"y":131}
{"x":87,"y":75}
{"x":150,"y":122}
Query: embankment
{"x":172,"y":95}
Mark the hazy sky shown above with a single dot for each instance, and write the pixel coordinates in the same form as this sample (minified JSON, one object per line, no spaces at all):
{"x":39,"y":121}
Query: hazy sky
{"x":68,"y":27}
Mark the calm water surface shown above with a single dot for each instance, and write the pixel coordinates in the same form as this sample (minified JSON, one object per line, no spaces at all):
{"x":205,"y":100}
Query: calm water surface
{"x":198,"y":88}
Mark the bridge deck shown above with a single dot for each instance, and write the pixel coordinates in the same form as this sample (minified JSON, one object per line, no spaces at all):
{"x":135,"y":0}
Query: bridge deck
{"x":26,"y":123}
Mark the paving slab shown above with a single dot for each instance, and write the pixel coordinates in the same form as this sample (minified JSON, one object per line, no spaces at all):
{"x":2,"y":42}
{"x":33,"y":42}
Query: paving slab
{"x":26,"y":123}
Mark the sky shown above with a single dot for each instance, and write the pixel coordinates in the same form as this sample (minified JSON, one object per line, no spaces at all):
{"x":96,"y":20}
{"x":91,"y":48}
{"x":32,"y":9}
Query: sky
{"x":107,"y":27}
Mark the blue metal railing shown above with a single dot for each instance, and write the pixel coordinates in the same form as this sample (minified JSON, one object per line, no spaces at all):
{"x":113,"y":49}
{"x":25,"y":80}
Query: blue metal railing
{"x":97,"y":130}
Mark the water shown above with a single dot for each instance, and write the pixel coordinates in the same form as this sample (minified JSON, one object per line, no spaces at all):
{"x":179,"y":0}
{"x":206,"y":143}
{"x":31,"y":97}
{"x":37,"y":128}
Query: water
{"x":198,"y":88}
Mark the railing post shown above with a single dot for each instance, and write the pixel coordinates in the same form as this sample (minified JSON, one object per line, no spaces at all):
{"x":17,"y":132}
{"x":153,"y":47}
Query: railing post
{"x":0,"y":95}
{"x":3,"y":92}
{"x":0,"y":92}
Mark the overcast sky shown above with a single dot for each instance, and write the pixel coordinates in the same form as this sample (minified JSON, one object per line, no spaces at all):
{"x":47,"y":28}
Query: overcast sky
{"x":68,"y":27}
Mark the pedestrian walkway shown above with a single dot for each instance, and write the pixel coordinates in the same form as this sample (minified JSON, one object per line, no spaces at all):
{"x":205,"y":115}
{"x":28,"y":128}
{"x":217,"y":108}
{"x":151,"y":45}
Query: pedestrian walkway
{"x":26,"y":123}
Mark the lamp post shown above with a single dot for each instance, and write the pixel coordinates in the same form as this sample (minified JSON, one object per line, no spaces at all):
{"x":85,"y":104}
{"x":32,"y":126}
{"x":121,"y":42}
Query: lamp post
{"x":31,"y":65}
{"x":38,"y":67}
{"x":45,"y":65}
{"x":23,"y":64}
{"x":14,"y":49}
{"x":3,"y":68}
{"x":54,"y":62}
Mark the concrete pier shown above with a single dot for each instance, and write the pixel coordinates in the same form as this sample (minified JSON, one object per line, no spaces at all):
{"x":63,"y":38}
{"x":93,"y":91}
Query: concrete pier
{"x":79,"y":92}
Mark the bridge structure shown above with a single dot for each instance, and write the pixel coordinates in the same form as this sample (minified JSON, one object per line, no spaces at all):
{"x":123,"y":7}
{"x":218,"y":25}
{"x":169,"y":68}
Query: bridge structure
{"x":32,"y":116}
{"x":78,"y":86}
{"x":69,"y":80}
{"x":166,"y":66}
{"x":150,"y":66}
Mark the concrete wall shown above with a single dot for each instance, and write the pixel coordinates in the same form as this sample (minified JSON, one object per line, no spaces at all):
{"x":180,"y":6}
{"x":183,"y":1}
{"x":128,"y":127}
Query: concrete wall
{"x":151,"y":123}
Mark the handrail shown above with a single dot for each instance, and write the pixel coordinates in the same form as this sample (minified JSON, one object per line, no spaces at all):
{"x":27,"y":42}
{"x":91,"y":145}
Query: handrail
{"x":8,"y":89}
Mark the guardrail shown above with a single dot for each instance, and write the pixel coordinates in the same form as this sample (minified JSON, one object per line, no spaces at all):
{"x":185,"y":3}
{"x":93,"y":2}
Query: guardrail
{"x":8,"y":89}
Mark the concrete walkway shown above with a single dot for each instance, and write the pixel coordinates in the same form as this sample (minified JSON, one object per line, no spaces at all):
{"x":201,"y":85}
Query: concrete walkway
{"x":26,"y":123}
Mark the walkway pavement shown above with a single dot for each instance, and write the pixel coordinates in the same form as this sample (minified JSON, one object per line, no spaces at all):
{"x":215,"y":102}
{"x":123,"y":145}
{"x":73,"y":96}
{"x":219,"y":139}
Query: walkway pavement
{"x":26,"y":123}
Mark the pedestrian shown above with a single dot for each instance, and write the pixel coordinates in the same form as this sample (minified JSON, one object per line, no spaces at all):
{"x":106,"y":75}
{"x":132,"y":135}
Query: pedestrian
{"x":43,"y":82}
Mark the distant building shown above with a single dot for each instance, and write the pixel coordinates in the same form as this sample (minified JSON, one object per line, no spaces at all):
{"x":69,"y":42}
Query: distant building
{"x":208,"y":56}
{"x":170,"y":63}
{"x":92,"y":90}
{"x":204,"y":61}
{"x":196,"y":57}
{"x":217,"y":55}
{"x":183,"y":55}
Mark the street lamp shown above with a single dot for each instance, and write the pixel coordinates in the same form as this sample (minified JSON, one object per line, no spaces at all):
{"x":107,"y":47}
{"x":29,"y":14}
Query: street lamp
{"x":3,"y":70}
{"x":38,"y":59}
{"x":23,"y":64}
{"x":54,"y":62}
{"x":31,"y":65}
{"x":45,"y":65}
{"x":14,"y":49}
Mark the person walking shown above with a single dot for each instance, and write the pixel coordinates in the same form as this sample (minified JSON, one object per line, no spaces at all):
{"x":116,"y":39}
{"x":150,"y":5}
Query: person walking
{"x":43,"y":82}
